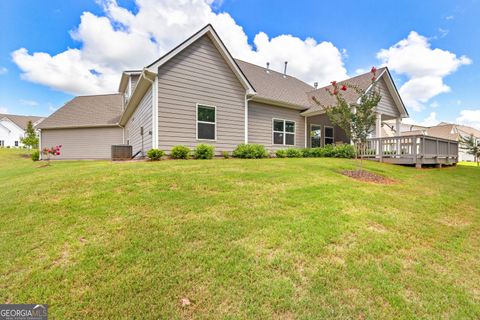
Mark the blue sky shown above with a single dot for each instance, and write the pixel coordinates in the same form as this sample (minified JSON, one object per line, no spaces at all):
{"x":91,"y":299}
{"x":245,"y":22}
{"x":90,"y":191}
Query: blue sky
{"x":356,"y":30}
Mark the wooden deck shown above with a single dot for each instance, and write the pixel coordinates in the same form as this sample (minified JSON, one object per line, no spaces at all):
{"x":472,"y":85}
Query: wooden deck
{"x":411,"y":150}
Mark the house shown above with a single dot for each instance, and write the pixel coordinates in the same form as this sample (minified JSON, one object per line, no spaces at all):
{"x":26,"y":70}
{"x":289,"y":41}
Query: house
{"x":444,"y":130}
{"x":12,"y":129}
{"x":198,"y":93}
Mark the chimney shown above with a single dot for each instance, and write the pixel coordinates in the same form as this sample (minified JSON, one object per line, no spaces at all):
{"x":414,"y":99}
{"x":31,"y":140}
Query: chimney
{"x":268,"y":67}
{"x":285,"y":70}
{"x":315,"y":85}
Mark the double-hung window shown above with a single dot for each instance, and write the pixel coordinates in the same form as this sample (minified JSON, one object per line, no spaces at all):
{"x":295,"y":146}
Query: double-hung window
{"x":329,"y":139}
{"x":206,"y":122}
{"x":283,"y":132}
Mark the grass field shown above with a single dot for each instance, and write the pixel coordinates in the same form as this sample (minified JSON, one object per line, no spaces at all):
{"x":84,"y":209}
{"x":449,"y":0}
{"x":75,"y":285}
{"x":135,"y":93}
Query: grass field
{"x":273,"y":238}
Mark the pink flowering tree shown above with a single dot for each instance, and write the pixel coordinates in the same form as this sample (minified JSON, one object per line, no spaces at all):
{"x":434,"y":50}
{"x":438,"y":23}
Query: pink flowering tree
{"x":51,"y":152}
{"x":356,"y":119}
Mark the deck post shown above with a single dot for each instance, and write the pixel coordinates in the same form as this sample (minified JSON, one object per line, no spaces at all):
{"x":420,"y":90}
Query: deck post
{"x":398,"y":133}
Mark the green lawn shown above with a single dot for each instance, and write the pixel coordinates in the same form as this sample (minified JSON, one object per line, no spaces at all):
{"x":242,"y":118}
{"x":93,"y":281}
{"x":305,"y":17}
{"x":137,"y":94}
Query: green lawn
{"x":273,"y":238}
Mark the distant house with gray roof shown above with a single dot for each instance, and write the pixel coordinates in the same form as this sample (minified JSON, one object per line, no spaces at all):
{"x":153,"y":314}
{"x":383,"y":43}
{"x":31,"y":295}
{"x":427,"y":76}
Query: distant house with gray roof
{"x":198,"y":93}
{"x":12,"y":129}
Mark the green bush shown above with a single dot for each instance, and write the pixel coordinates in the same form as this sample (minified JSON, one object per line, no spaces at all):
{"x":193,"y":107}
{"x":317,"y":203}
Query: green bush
{"x":180,"y":152}
{"x":36,"y":155}
{"x":250,"y":151}
{"x":329,"y":150}
{"x":204,"y":151}
{"x":307,"y":153}
{"x":294,"y":153}
{"x":225,"y":154}
{"x":155,"y":154}
{"x":344,"y":151}
{"x":282,"y":153}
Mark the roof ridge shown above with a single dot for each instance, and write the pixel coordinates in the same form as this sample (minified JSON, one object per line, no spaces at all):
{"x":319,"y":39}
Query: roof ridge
{"x":350,"y":78}
{"x":258,"y":66}
{"x":96,"y":95}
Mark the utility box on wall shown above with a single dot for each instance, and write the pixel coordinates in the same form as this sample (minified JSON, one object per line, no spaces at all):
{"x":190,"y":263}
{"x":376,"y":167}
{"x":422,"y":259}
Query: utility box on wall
{"x":121,"y":152}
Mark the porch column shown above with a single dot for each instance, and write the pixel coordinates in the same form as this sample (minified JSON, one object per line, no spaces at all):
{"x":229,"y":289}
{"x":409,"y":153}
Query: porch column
{"x":378,"y":133}
{"x":398,"y":133}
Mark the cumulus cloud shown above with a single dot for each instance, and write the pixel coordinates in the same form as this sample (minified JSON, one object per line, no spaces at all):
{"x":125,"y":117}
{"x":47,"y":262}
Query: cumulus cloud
{"x":121,"y":39}
{"x":425,"y":68}
{"x":429,"y":121}
{"x":470,"y":118}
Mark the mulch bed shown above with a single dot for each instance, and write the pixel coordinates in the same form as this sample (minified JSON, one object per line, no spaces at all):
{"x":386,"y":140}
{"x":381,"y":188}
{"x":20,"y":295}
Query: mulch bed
{"x":367,"y":176}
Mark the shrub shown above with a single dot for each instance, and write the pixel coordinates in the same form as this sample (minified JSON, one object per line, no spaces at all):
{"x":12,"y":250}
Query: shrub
{"x":250,"y":151}
{"x":282,"y":153}
{"x":344,"y":151}
{"x":294,"y":153}
{"x":328,"y":150}
{"x":203,"y":151}
{"x":307,"y":153}
{"x":36,"y":155}
{"x":180,"y":152}
{"x":155,"y":154}
{"x":225,"y":154}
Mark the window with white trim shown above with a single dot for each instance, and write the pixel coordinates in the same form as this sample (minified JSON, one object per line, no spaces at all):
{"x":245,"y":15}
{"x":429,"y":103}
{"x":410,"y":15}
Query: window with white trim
{"x":2,"y":143}
{"x":283,"y":132}
{"x":206,"y":122}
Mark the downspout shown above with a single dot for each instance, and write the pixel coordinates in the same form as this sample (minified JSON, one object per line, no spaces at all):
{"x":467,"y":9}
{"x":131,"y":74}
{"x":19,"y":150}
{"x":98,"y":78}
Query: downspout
{"x":154,"y":143}
{"x":246,"y":116}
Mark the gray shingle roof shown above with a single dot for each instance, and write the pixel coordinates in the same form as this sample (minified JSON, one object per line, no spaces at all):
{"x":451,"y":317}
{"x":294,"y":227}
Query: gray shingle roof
{"x":21,"y":121}
{"x":321,"y":95}
{"x":85,"y":111}
{"x":273,"y":85}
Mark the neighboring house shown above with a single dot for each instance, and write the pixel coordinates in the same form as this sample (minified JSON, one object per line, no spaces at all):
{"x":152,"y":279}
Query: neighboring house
{"x":198,"y":93}
{"x":12,"y":129}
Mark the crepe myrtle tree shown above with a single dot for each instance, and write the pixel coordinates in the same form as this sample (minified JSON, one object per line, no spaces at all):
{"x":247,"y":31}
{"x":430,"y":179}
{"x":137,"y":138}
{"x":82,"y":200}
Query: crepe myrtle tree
{"x":356,"y":119}
{"x":471,"y":146}
{"x":49,"y":152}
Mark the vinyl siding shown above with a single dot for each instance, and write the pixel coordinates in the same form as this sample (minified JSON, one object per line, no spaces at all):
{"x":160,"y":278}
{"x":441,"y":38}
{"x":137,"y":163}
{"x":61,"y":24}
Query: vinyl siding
{"x":134,"y":79}
{"x":87,"y":143}
{"x":323,"y":121}
{"x":386,"y":106}
{"x":199,"y":74}
{"x":260,"y":124}
{"x":141,"y":117}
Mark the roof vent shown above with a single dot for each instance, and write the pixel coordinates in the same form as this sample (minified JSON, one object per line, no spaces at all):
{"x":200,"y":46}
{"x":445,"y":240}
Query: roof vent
{"x":285,"y":70}
{"x":268,"y":67}
{"x":315,"y":85}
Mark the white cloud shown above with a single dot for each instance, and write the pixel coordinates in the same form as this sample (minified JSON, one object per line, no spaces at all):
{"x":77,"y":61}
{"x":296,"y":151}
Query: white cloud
{"x":30,"y":103}
{"x":122,"y":40}
{"x":425,"y":67}
{"x":429,"y":121}
{"x":3,"y":70}
{"x":434,"y":104}
{"x":470,"y":118}
{"x":449,"y":17}
{"x":3,"y":110}
{"x":443,"y":32}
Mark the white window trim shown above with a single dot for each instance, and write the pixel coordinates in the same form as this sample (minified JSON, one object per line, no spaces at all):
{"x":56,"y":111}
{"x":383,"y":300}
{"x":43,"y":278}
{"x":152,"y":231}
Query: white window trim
{"x":197,"y":122}
{"x":310,"y":137}
{"x":285,"y":132}
{"x":325,"y":136}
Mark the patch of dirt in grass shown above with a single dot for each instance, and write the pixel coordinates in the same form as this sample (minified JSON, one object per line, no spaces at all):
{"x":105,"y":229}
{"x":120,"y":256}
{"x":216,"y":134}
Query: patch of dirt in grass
{"x":375,"y":227}
{"x":367,"y":176}
{"x":457,"y":222}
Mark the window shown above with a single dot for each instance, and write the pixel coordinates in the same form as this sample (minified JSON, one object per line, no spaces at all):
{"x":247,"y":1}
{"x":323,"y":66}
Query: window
{"x":16,"y":143}
{"x":206,"y":122}
{"x":2,"y":143}
{"x":283,"y":132}
{"x":315,"y":136}
{"x":328,"y":135}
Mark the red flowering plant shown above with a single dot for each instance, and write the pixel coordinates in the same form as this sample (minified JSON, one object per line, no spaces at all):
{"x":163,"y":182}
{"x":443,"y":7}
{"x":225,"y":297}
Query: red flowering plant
{"x":52,"y":151}
{"x":356,"y":118}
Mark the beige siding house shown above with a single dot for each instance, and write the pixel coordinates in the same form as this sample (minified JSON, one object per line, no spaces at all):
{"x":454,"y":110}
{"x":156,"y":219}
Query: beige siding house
{"x":198,"y":93}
